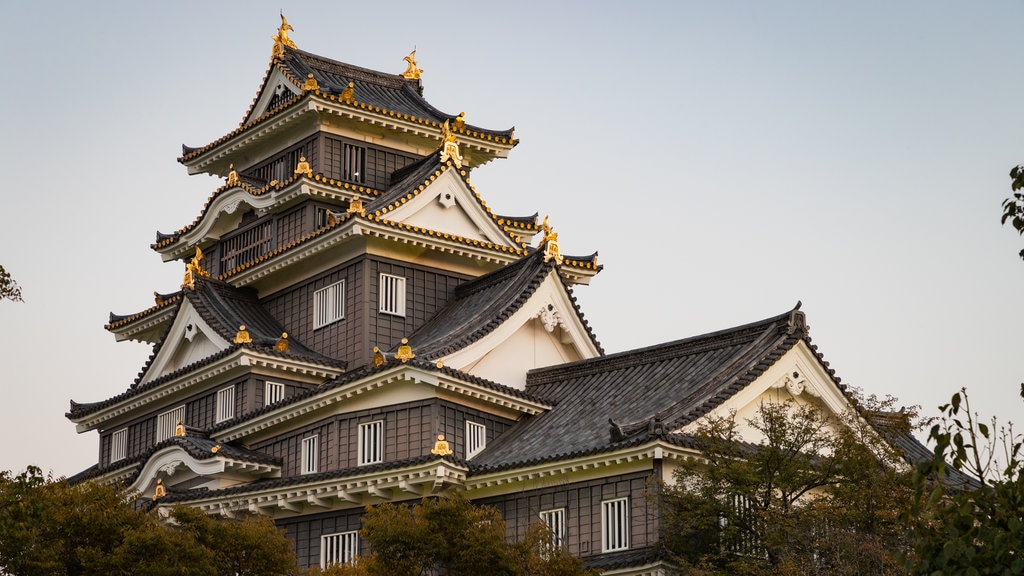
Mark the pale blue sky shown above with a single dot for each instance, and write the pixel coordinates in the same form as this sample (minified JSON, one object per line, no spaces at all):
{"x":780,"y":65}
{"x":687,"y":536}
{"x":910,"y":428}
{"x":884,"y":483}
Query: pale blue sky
{"x":726,"y":158}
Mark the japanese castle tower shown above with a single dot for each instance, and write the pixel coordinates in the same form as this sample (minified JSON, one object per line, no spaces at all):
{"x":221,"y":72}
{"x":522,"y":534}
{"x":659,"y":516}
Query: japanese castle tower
{"x":357,"y":325}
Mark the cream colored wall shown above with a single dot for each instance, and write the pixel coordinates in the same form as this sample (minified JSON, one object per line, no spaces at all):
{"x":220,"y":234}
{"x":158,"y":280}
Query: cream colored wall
{"x":531,"y":346}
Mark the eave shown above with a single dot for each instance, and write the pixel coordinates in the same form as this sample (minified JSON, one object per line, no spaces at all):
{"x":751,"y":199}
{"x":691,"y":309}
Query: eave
{"x":243,"y":359}
{"x":146,"y":326}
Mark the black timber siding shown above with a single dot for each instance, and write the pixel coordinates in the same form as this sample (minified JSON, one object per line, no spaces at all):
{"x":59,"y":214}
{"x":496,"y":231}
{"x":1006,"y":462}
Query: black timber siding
{"x":305,"y":532}
{"x":426,"y":291}
{"x":582,"y":503}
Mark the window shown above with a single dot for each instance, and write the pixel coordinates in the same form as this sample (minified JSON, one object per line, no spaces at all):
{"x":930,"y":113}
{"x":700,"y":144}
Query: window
{"x":119,"y":445}
{"x":743,"y":542}
{"x":166,"y":422}
{"x":225,"y":404}
{"x":555,"y":521}
{"x":329,"y":304}
{"x":355,"y":163}
{"x":476,"y":438}
{"x":392,"y":294}
{"x":615,"y":525}
{"x":371,"y":442}
{"x":274,"y":392}
{"x":338,"y":548}
{"x":310,"y":454}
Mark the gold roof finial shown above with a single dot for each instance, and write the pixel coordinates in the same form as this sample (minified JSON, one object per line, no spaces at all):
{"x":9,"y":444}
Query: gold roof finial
{"x":310,"y":83}
{"x":378,"y":357}
{"x":460,"y":121}
{"x":355,"y":205}
{"x":281,"y":39}
{"x":449,"y":146}
{"x":215,"y":449}
{"x":194,"y":269}
{"x":232,"y":176}
{"x":349,"y":92}
{"x":411,"y":72}
{"x":282,"y":343}
{"x":441,"y":447}
{"x":179,"y":429}
{"x":550,"y":243}
{"x":303,"y":168}
{"x":159,"y":491}
{"x":242,"y":336}
{"x":405,"y":351}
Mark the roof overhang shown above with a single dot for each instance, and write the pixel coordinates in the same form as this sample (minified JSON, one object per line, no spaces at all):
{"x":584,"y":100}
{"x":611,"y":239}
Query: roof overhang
{"x":175,"y":461}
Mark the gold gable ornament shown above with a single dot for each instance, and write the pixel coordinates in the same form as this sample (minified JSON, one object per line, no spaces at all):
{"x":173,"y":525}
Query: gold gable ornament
{"x":449,"y":146}
{"x":460,"y":121}
{"x":550,"y":243}
{"x":310,"y":84}
{"x":242,"y":336}
{"x":378,"y":357}
{"x":281,"y":39}
{"x":179,"y":429}
{"x":404,"y":351}
{"x":411,"y":72}
{"x":194,"y":269}
{"x":355,"y":206}
{"x":303,"y":168}
{"x":282,"y":343}
{"x":349,"y":92}
{"x":441,"y":447}
{"x":232,"y":176}
{"x":159,"y":491}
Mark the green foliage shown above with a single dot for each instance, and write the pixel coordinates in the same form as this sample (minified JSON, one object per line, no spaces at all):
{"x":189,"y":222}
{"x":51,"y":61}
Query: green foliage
{"x":449,"y":535}
{"x":968,"y":513}
{"x":9,"y":289}
{"x":1013,"y":207}
{"x":816,"y":495}
{"x":51,"y":527}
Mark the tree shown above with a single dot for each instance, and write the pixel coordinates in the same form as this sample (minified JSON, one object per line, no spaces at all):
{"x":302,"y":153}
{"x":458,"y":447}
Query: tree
{"x":448,"y":535}
{"x":968,"y":513}
{"x":9,"y":289}
{"x":48,"y":526}
{"x":818,"y":495}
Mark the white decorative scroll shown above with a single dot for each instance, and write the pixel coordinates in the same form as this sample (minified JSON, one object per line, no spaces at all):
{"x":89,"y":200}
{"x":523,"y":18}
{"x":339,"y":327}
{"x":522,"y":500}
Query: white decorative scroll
{"x":230,"y":207}
{"x":170,"y":467}
{"x":796,"y":384}
{"x":446,"y":198}
{"x":549,"y":318}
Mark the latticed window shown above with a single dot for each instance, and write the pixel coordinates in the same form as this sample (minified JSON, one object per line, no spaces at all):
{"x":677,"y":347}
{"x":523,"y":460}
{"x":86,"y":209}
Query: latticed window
{"x":615,"y":525}
{"x":329,"y":304}
{"x":555,"y":521}
{"x":371,"y":442}
{"x":246,"y":246}
{"x":338,"y":548}
{"x":166,"y":422}
{"x":225,"y":404}
{"x":355,"y":163}
{"x":476,"y":438}
{"x":392,"y":294}
{"x":310,"y":454}
{"x":739,"y":541}
{"x":273,"y":393}
{"x":119,"y":445}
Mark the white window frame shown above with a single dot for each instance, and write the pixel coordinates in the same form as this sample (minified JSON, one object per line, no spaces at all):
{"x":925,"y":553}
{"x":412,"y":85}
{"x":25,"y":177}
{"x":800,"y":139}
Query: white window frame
{"x":278,"y":394}
{"x":166,"y":422}
{"x":392,"y":294}
{"x":371,"y":442}
{"x":225,"y":404}
{"x":338,"y":548}
{"x":615,"y":525}
{"x":329,"y":304}
{"x":476,"y":438}
{"x":119,"y":445}
{"x":310,"y":454}
{"x":555,"y":521}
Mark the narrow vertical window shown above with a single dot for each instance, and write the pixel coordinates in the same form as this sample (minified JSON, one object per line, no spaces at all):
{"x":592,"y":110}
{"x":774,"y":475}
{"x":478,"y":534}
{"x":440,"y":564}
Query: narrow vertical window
{"x":615,"y":525}
{"x":392,"y":294}
{"x":555,"y":521}
{"x":339,"y":548}
{"x":476,"y":438}
{"x":274,"y":392}
{"x":119,"y":445}
{"x":329,"y":304}
{"x":371,"y":442}
{"x":310,"y":454}
{"x":355,"y":157}
{"x":166,"y":422}
{"x":225,"y":404}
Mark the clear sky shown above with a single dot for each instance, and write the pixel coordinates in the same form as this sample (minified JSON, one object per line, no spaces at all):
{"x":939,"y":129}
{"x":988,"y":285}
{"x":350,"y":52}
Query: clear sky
{"x":727,"y":159}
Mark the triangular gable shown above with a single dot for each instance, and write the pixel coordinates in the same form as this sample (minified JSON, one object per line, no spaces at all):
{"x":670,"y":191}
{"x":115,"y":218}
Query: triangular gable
{"x":797,"y":376}
{"x":277,"y":88}
{"x":189,"y":340}
{"x":447,"y":204}
{"x":544,"y":331}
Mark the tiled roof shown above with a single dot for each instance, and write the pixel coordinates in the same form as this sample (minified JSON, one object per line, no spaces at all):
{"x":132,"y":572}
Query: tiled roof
{"x":224,"y":308}
{"x":480,"y":306}
{"x":378,"y":92}
{"x":635,"y":557}
{"x":674,"y":383}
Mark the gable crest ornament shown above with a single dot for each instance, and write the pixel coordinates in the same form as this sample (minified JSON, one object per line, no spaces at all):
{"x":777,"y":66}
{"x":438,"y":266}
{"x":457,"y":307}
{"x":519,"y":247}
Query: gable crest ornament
{"x":795,"y":384}
{"x":450,"y":147}
{"x":411,"y":71}
{"x":550,"y":243}
{"x":281,"y":39}
{"x":194,"y":269}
